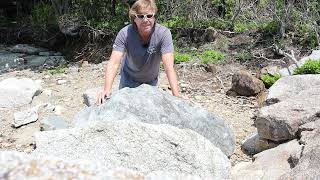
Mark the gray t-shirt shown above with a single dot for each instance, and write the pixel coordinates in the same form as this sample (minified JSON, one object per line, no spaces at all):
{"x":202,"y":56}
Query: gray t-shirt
{"x":141,"y":62}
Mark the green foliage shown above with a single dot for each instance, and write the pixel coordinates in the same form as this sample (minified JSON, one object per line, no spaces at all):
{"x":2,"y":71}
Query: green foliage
{"x":310,"y":67}
{"x":243,"y":56}
{"x":270,"y":28}
{"x":212,"y":56}
{"x":57,"y":70}
{"x":177,"y":21}
{"x":306,"y":36}
{"x":42,"y":14}
{"x":179,"y":58}
{"x":269,"y":79}
{"x":227,"y":4}
{"x":240,"y":27}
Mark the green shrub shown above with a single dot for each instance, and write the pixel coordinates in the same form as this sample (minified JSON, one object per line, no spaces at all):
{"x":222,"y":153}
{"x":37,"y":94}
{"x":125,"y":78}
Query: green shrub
{"x":243,"y":56}
{"x":177,"y":21}
{"x":42,"y":14}
{"x":57,"y":70}
{"x":179,"y":58}
{"x":212,"y":56}
{"x":269,"y":79}
{"x":310,"y":67}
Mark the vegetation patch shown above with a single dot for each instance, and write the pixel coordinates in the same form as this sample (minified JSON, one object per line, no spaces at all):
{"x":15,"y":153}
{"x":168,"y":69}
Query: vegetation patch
{"x":269,"y":79}
{"x":179,"y":58}
{"x":212,"y":56}
{"x":310,"y":67}
{"x":57,"y":70}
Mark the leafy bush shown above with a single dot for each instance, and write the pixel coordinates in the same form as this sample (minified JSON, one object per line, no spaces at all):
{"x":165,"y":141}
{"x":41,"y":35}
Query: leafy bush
{"x":42,"y":14}
{"x":212,"y":56}
{"x":243,"y":56}
{"x":179,"y":58}
{"x":310,"y":67}
{"x":57,"y":70}
{"x":177,"y":21}
{"x":269,"y":79}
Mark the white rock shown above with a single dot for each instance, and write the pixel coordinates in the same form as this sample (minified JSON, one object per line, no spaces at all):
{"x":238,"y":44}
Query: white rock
{"x":17,"y":92}
{"x":61,"y":81}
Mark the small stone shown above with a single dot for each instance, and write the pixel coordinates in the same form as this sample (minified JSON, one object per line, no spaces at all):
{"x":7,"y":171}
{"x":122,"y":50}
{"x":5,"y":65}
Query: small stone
{"x":47,"y":76}
{"x":61,"y":81}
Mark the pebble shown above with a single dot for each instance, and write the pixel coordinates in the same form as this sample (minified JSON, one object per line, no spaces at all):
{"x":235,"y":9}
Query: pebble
{"x":61,"y":81}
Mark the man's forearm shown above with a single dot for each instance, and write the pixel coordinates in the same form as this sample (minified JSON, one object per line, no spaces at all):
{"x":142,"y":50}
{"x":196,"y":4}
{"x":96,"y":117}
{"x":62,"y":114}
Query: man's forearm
{"x":172,"y":78}
{"x":110,"y":74}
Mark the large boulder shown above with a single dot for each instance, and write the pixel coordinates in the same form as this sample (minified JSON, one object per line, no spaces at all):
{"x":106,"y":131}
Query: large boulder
{"x":148,"y":104}
{"x":309,"y":164}
{"x":270,"y":164}
{"x":27,"y":49}
{"x":292,"y":102}
{"x":16,"y":165}
{"x":17,"y":92}
{"x":245,"y":84}
{"x":138,"y":146}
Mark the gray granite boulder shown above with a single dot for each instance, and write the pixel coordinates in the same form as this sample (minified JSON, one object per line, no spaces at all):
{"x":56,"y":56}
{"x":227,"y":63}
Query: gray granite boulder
{"x":292,"y":102}
{"x":26,"y":49}
{"x":254,"y":144}
{"x":16,"y":165}
{"x":138,"y":146}
{"x":53,"y":122}
{"x":270,"y":164}
{"x":308,"y":165}
{"x":149,"y":104}
{"x":17,"y":92}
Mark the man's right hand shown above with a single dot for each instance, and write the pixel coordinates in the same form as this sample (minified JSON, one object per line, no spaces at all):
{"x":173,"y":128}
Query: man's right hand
{"x":102,"y":97}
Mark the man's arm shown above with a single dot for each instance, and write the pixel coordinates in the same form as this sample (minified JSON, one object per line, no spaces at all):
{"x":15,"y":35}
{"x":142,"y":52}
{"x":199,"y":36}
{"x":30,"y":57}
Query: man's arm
{"x":168,"y":62}
{"x":110,"y":73}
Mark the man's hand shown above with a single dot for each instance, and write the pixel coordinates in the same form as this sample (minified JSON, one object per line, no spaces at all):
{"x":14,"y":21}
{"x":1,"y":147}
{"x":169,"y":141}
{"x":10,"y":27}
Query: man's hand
{"x":104,"y":95}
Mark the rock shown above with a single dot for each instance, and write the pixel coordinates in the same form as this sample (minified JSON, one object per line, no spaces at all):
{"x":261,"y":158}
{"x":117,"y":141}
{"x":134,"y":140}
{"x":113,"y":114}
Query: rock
{"x":27,"y":116}
{"x":292,"y":102}
{"x":17,"y":92}
{"x":307,"y":167}
{"x":151,"y":105}
{"x":16,"y":165}
{"x":245,"y":84}
{"x":138,"y":146}
{"x":315,"y":55}
{"x":26,"y":49}
{"x":46,"y":53}
{"x":90,"y":95}
{"x":10,"y":60}
{"x":53,"y":122}
{"x":44,"y":61}
{"x":61,"y":81}
{"x":269,"y":164}
{"x":254,"y":144}
{"x":288,"y":87}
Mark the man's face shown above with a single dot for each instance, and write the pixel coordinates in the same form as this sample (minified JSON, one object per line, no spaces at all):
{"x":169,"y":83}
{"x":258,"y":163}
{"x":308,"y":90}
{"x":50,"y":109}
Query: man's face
{"x":145,"y":20}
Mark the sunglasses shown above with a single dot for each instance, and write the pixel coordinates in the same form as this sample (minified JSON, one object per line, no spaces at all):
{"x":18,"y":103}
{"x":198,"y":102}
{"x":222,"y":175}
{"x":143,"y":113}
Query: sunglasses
{"x":143,"y":16}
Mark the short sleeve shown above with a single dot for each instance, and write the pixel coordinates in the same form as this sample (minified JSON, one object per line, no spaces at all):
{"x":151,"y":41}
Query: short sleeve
{"x":167,"y":44}
{"x":120,"y":41}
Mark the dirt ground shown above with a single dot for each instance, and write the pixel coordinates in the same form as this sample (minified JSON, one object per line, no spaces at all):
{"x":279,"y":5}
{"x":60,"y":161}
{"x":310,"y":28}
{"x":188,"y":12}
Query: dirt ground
{"x":206,"y":88}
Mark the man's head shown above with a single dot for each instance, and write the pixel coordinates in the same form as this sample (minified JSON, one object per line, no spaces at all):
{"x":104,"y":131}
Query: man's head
{"x":143,"y":13}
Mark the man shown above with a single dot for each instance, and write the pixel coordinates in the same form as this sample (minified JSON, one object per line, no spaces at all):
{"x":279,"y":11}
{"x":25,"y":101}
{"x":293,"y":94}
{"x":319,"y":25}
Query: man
{"x":139,"y":48}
